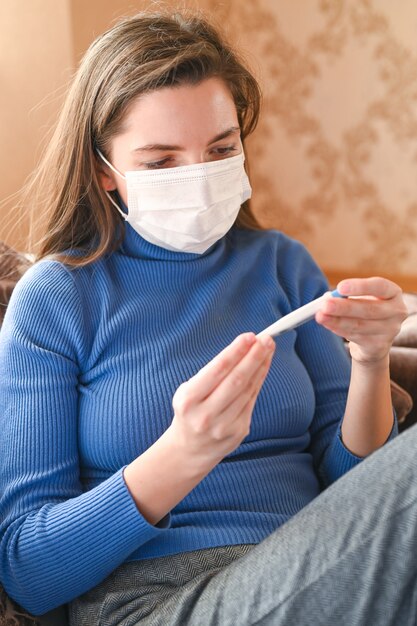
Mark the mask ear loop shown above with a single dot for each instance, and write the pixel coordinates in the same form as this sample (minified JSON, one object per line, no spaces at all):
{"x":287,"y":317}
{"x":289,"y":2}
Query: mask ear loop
{"x":114,"y":203}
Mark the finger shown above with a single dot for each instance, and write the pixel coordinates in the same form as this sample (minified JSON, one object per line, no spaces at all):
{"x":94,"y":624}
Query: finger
{"x":366,"y":308}
{"x":373,"y":286}
{"x":239,"y":379}
{"x":235,"y":408}
{"x":240,"y":411}
{"x":350,"y":327}
{"x":211,"y":375}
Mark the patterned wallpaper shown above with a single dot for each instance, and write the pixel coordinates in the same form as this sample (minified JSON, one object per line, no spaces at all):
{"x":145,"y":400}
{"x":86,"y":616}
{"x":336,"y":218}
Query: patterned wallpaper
{"x":334,"y":159}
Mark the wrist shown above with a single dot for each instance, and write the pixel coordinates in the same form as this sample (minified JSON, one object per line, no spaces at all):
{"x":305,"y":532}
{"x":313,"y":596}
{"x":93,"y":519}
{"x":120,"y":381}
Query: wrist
{"x":195,"y":463}
{"x":377,"y":363}
{"x":162,"y":476}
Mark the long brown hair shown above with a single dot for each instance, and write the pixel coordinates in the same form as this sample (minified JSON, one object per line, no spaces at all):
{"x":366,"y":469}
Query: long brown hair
{"x":137,"y":55}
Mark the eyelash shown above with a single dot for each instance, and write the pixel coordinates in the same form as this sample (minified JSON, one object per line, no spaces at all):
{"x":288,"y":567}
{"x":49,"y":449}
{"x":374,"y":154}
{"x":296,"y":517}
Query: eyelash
{"x":153,"y":165}
{"x":226,"y":149}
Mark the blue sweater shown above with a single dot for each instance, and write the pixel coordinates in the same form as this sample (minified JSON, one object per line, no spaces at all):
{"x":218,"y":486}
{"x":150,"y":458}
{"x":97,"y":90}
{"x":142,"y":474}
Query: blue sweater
{"x":89,"y":361}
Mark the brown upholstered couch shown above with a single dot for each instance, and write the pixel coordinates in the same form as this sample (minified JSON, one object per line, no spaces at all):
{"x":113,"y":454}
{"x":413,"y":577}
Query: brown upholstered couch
{"x":404,"y":393}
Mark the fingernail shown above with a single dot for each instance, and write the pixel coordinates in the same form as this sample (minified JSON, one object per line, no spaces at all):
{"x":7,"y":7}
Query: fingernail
{"x":267,"y":341}
{"x":343,"y":287}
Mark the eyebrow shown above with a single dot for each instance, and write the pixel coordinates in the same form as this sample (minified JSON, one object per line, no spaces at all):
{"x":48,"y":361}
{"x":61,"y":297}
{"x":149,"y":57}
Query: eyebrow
{"x":162,"y":146}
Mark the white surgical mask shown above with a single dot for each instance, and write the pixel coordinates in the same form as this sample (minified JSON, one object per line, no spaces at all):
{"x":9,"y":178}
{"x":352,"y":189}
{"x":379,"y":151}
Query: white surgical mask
{"x":186,"y":208}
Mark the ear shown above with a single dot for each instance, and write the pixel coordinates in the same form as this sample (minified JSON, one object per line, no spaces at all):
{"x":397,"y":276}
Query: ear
{"x":106,"y":177}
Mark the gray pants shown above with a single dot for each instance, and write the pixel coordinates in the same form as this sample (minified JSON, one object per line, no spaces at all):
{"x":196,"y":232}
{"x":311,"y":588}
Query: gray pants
{"x":348,"y":558}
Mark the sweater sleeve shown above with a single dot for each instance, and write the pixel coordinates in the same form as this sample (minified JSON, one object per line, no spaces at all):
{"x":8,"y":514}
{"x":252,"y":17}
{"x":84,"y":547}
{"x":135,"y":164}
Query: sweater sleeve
{"x":56,"y":542}
{"x":328,"y":365}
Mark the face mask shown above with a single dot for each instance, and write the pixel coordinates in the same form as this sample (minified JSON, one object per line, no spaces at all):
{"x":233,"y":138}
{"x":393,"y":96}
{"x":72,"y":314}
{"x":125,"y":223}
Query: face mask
{"x":186,"y":208}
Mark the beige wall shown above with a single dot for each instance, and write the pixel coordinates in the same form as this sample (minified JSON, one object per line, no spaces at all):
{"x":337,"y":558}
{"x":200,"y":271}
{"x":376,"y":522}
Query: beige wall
{"x":334,"y":160}
{"x":36,"y":60}
{"x":91,"y":17}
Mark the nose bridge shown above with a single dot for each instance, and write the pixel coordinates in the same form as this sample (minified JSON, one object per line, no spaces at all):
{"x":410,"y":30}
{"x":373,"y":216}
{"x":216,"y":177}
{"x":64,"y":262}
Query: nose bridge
{"x":195,"y":154}
{"x":194,"y":145}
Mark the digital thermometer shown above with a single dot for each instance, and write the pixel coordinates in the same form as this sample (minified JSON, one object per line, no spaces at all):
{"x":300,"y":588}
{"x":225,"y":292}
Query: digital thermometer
{"x":299,"y":316}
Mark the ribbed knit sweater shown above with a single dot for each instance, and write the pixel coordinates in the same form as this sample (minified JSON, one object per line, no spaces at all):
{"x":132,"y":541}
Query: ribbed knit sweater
{"x":89,"y":361}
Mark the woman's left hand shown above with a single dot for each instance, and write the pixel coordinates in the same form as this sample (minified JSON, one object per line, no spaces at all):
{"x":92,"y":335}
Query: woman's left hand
{"x":369,"y":318}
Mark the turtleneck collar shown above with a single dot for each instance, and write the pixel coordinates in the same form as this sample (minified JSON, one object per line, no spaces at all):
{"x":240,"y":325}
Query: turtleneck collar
{"x":136,"y":246}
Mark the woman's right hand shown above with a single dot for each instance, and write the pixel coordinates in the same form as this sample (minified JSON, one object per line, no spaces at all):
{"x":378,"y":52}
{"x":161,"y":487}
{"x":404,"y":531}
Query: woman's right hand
{"x":213,"y":412}
{"x":213,"y":409}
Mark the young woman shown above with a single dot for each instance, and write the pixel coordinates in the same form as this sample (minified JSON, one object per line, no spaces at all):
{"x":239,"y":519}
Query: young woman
{"x":160,"y":464}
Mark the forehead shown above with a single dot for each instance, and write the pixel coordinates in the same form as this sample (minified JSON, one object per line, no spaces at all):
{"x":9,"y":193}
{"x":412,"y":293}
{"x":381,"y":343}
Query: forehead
{"x":185,"y":112}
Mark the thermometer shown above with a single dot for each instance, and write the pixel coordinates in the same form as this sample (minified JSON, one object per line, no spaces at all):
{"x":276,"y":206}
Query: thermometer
{"x":299,"y":316}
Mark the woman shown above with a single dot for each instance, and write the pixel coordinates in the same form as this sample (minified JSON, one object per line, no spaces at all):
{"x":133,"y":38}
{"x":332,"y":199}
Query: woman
{"x":150,"y":439}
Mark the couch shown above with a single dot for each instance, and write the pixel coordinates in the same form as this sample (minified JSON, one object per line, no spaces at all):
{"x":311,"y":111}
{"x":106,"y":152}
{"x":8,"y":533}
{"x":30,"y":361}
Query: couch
{"x":403,"y":388}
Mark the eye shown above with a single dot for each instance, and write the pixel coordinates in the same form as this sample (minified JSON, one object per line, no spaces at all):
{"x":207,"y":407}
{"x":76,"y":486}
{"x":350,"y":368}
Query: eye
{"x":154,"y":165}
{"x":224,"y":150}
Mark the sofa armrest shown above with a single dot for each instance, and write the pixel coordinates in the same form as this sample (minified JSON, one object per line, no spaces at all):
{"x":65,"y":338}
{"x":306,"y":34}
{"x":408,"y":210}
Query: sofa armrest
{"x":403,"y":357}
{"x":403,"y":365}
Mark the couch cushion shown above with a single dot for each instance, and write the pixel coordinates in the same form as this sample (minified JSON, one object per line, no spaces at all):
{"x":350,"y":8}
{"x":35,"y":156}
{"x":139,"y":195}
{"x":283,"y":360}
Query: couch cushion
{"x":402,"y":401}
{"x":407,"y":337}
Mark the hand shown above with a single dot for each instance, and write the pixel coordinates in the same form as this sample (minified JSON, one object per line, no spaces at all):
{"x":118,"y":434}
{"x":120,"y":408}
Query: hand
{"x":369,"y":318}
{"x":213,"y":409}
